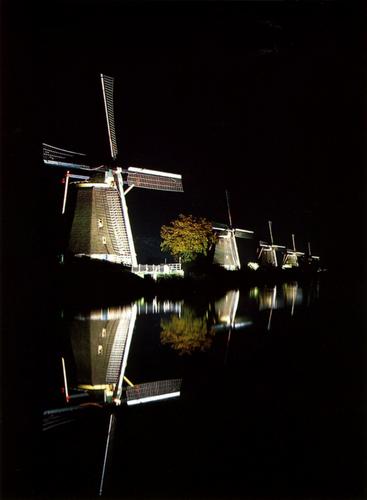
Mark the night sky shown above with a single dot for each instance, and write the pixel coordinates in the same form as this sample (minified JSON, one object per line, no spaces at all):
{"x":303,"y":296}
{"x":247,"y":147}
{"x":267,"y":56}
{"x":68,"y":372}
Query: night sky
{"x":265,"y":99}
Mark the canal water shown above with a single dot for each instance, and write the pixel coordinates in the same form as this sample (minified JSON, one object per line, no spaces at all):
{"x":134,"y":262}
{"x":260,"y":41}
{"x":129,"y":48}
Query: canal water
{"x":253,"y":394}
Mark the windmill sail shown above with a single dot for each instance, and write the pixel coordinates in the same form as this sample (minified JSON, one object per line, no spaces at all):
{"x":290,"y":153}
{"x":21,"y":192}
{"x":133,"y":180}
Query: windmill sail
{"x":107,"y":88}
{"x":58,"y":157}
{"x":244,"y":234}
{"x":153,"y":179}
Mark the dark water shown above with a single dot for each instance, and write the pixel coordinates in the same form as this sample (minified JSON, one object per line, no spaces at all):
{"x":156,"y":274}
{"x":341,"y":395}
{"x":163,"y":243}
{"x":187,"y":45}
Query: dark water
{"x":270,"y":404}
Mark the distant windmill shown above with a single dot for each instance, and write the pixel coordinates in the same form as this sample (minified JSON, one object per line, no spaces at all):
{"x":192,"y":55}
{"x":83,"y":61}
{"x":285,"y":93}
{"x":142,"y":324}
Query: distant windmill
{"x":311,"y":258}
{"x":101,"y":226}
{"x":226,"y":251}
{"x":268,"y":253}
{"x":290,"y":258}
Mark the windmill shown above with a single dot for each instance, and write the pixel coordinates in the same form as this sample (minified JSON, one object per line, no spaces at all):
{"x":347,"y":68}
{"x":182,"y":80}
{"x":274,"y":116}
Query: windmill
{"x":101,"y":226}
{"x":226,"y":251}
{"x":311,"y":259}
{"x":268,"y":253}
{"x":290,"y":258}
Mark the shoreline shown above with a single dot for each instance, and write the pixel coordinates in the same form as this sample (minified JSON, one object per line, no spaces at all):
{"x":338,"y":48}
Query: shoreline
{"x":99,"y":284}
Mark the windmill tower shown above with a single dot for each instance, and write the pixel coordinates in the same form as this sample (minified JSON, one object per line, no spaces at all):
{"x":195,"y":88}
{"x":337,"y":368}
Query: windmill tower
{"x":100,"y":227}
{"x":291,"y":257}
{"x":268,"y":253}
{"x":226,"y":250}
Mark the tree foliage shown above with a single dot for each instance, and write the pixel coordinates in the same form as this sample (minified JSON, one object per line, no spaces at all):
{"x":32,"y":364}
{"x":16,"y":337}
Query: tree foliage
{"x":188,"y":237}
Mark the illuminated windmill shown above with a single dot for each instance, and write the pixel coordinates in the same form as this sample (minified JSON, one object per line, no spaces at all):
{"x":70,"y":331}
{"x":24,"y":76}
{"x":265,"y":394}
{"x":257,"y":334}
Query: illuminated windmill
{"x":290,"y":258}
{"x":101,"y":226}
{"x":226,"y":251}
{"x":312,"y":259}
{"x":268,"y":253}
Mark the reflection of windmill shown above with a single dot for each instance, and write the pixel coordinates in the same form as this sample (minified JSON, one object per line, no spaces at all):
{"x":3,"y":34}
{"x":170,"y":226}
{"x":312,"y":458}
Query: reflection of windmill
{"x":268,"y":253}
{"x":111,"y":332}
{"x":101,"y":226}
{"x":226,"y":251}
{"x":292,"y":295}
{"x":226,"y":310}
{"x":290,"y":258}
{"x":267,"y":300}
{"x":101,"y":342}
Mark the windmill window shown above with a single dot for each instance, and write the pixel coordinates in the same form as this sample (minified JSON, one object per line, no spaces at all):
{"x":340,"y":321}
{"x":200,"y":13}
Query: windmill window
{"x":104,"y":241}
{"x":103,"y":332}
{"x":100,"y":350}
{"x":100,"y":223}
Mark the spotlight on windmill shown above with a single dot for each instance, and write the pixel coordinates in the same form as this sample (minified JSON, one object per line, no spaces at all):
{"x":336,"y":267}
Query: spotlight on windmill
{"x":226,"y":250}
{"x":268,"y":252}
{"x":101,"y":227}
{"x":291,"y":257}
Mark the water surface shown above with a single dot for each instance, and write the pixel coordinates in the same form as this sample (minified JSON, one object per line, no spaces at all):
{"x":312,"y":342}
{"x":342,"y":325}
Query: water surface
{"x":257,"y":405}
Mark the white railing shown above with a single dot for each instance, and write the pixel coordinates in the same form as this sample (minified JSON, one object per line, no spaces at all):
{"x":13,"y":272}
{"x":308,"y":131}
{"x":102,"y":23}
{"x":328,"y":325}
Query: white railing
{"x":174,"y":268}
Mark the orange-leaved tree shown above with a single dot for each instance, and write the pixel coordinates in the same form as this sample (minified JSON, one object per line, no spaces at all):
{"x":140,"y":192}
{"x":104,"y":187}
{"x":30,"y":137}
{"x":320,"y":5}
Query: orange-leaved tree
{"x":188,"y":237}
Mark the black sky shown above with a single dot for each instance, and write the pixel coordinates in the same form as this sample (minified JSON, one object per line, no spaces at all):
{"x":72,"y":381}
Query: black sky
{"x":264,"y":99}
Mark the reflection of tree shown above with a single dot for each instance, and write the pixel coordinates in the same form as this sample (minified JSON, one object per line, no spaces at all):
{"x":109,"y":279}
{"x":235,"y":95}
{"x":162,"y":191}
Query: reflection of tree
{"x":187,"y":333}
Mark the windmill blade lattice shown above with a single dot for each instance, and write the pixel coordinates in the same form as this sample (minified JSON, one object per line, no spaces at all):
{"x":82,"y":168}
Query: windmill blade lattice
{"x":107,"y":87}
{"x":244,"y":234}
{"x":153,"y":179}
{"x":59,"y":157}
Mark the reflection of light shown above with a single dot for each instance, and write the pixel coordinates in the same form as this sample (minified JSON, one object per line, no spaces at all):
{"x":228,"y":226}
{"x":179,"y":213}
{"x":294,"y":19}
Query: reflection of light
{"x":153,"y":398}
{"x":253,"y":265}
{"x":242,"y":324}
{"x":254,"y":292}
{"x":237,"y":325}
{"x":97,"y":387}
{"x":157,"y":307}
{"x":108,"y":314}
